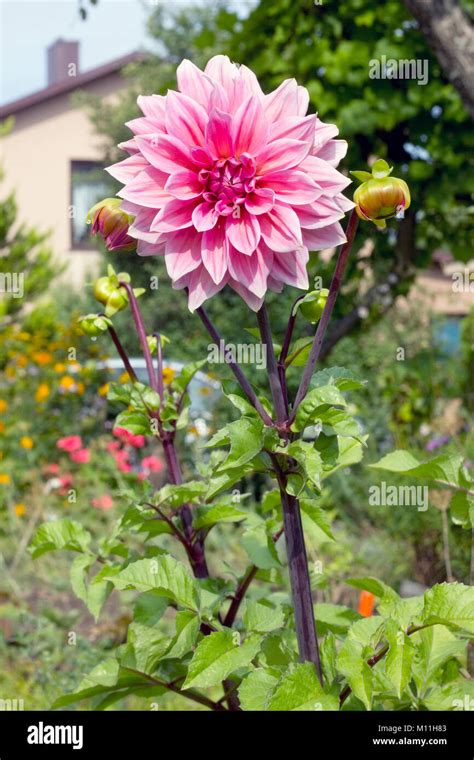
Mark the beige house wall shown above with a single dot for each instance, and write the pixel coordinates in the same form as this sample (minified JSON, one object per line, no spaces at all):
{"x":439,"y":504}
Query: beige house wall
{"x":36,"y":157}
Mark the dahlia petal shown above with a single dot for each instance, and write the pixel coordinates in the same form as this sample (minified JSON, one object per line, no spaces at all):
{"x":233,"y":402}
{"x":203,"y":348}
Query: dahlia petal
{"x":129,"y":146}
{"x":185,"y":118}
{"x":153,"y":106}
{"x":144,"y":248}
{"x":249,"y":127}
{"x":319,"y":214}
{"x":201,"y":286}
{"x":147,"y":189}
{"x":290,"y":268}
{"x":243,"y":232}
{"x":324,"y":175}
{"x":165,"y":152}
{"x":293,"y":186}
{"x":182,"y":253}
{"x":322,"y":134}
{"x":140,"y":228}
{"x":333,"y":151}
{"x":251,"y":271}
{"x":344,"y":203}
{"x":193,"y":82}
{"x":175,"y":215}
{"x":281,"y":229}
{"x":204,"y":217}
{"x":214,"y":252}
{"x":183,"y":185}
{"x":252,"y":301}
{"x":218,"y":134}
{"x":302,"y":98}
{"x":281,"y":154}
{"x":326,"y":237}
{"x":144,"y":126}
{"x":260,"y":201}
{"x":294,"y":127}
{"x":282,"y":102}
{"x":126,"y":170}
{"x":251,"y":82}
{"x":225,"y":74}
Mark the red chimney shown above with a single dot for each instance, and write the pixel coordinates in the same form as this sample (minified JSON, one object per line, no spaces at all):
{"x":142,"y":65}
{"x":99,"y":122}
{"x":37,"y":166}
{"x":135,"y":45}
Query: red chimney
{"x":63,"y":60}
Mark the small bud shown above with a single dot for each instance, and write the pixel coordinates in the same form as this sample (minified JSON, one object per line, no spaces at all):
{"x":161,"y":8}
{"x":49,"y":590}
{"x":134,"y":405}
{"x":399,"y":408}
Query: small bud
{"x":93,"y":324}
{"x":312,"y":305}
{"x":111,"y":223}
{"x":380,"y":196}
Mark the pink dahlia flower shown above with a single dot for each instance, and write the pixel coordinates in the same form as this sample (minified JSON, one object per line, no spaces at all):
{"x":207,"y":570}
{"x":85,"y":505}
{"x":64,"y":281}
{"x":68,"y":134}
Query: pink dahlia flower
{"x":232,"y":186}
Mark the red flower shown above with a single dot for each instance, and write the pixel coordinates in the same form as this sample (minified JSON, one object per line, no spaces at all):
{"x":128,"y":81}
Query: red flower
{"x":103,"y":503}
{"x":152,"y":464}
{"x":70,"y":443}
{"x":82,"y":456}
{"x":366,"y":603}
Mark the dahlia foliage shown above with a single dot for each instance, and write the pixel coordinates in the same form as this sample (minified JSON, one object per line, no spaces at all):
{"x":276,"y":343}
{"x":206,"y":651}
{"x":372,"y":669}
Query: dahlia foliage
{"x":232,"y":186}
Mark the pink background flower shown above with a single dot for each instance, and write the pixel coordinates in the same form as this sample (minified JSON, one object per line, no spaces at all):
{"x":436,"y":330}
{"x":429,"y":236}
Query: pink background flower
{"x":103,"y":503}
{"x":231,"y":185}
{"x":69,"y":443}
{"x":81,"y":457}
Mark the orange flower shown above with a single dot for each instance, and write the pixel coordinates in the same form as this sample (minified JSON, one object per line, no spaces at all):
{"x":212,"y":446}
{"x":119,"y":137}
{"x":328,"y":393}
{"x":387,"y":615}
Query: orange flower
{"x":42,"y":392}
{"x":67,"y":383}
{"x":103,"y":390}
{"x":20,"y":509}
{"x":366,"y":603}
{"x":3,"y":405}
{"x":124,"y":378}
{"x":26,"y":442}
{"x":168,"y":375}
{"x":5,"y":479}
{"x":21,"y":360}
{"x":59,"y":367}
{"x":41,"y":357}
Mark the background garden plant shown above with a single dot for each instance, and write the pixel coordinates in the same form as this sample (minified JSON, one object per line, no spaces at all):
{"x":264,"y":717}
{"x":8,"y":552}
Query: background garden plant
{"x":221,"y":641}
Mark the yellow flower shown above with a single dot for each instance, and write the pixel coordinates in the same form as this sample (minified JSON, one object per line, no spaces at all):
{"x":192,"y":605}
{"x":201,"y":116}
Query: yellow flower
{"x":41,"y":357}
{"x":103,"y":390}
{"x":67,"y":382}
{"x":20,"y":509}
{"x":168,"y":375}
{"x":42,"y":392}
{"x":24,"y":335}
{"x":5,"y":479}
{"x":2,"y":427}
{"x":26,"y":442}
{"x":21,"y":360}
{"x":59,"y":367}
{"x":3,"y":405}
{"x":10,"y":372}
{"x":80,"y":388}
{"x":124,"y":378}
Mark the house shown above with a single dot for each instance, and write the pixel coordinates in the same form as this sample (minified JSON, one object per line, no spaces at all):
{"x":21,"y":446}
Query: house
{"x":51,"y":157}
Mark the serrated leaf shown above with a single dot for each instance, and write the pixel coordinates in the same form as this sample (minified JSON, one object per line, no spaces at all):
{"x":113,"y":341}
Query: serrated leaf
{"x":60,"y":534}
{"x":342,"y":378}
{"x":376,"y":587}
{"x":443,"y":469}
{"x":451,"y":604}
{"x":399,"y":658}
{"x":461,"y":509}
{"x":208,"y":516}
{"x":217,"y":656}
{"x":187,"y":630}
{"x":137,"y":423}
{"x":334,"y":617}
{"x":352,"y":665}
{"x":255,"y":689}
{"x":299,"y":689}
{"x":316,"y":398}
{"x":262,"y":617}
{"x":311,"y":508}
{"x":308,"y":458}
{"x":260,"y":547}
{"x":164,"y":575}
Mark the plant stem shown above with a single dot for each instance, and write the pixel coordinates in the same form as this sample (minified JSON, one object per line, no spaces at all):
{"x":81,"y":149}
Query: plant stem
{"x":189,"y":694}
{"x":241,"y":379}
{"x":470,"y":646}
{"x":239,"y":595}
{"x":122,"y":353}
{"x":326,"y":315}
{"x":140,"y":327}
{"x":446,"y":550}
{"x":273,"y":375}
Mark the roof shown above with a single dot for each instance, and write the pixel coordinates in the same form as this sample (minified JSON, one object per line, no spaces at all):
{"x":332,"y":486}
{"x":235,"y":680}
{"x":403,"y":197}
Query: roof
{"x":69,"y":84}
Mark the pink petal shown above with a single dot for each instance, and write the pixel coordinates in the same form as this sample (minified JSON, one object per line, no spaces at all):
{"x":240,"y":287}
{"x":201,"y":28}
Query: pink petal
{"x":126,"y":170}
{"x":182,"y":253}
{"x":281,"y":154}
{"x":293,"y":186}
{"x":204,"y":217}
{"x":183,"y":185}
{"x":290,"y":268}
{"x":303,"y":100}
{"x":214,"y":252}
{"x":327,"y":237}
{"x":252,"y":301}
{"x":249,"y":127}
{"x":225,"y":75}
{"x":200,"y":285}
{"x":243,"y":232}
{"x":140,"y":228}
{"x":282,"y":102}
{"x":324,"y":175}
{"x":144,"y":248}
{"x":165,"y":152}
{"x":333,"y":151}
{"x":250,"y":81}
{"x":250,"y":271}
{"x":129,"y":146}
{"x":218,"y":134}
{"x":260,"y":201}
{"x":185,"y":118}
{"x":294,"y":127}
{"x":322,"y":133}
{"x":319,"y":214}
{"x":176,"y":215}
{"x":281,"y":229}
{"x":192,"y":82}
{"x":153,"y":106}
{"x":147,"y":189}
{"x":144,"y":126}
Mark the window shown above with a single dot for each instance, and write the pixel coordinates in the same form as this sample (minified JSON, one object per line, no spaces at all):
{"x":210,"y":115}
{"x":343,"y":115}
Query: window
{"x":88,"y":185}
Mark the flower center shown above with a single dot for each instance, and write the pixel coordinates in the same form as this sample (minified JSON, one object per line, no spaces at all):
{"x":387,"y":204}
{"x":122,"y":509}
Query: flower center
{"x":228,"y":182}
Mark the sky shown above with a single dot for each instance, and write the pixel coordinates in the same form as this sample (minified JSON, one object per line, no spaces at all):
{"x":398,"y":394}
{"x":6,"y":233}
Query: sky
{"x":113,"y":28}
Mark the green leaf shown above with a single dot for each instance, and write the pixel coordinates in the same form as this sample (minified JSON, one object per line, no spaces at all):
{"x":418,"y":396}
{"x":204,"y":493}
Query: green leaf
{"x":352,"y":665}
{"x":328,"y":653}
{"x":435,"y":646}
{"x":187,"y":630}
{"x":255,"y":689}
{"x":299,"y":689}
{"x":162,"y":574}
{"x":60,"y":534}
{"x":311,"y":508}
{"x":451,"y":604}
{"x":181,"y":382}
{"x":461,"y":509}
{"x":308,"y":458}
{"x":94,"y":593}
{"x":150,"y":608}
{"x":217,"y":656}
{"x":177,"y":495}
{"x":334,"y":617}
{"x":342,"y":378}
{"x":137,"y":423}
{"x":145,"y":647}
{"x":208,"y":516}
{"x":399,"y":658}
{"x":310,"y":406}
{"x":376,"y":587}
{"x":456,"y":696}
{"x":262,"y":617}
{"x":246,"y":440}
{"x":260,"y":547}
{"x":443,"y":469}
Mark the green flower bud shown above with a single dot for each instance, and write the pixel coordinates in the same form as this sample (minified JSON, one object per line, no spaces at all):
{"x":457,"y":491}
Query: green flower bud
{"x":312,"y":305}
{"x":111,"y":223}
{"x":380,"y":196}
{"x":93,"y":324}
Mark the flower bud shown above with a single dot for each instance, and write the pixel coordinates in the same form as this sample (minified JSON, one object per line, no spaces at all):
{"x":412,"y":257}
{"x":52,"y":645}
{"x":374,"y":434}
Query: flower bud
{"x":312,"y":305}
{"x":93,"y":324}
{"x":380,"y":196}
{"x":111,"y":223}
